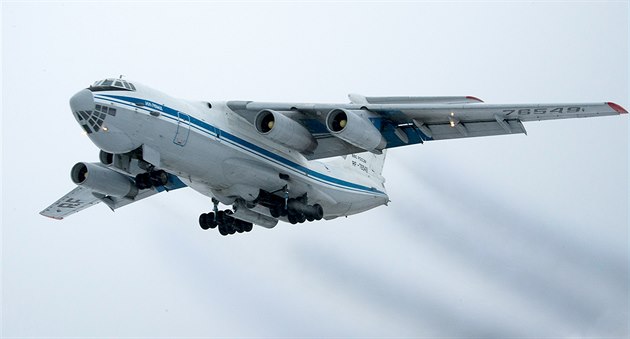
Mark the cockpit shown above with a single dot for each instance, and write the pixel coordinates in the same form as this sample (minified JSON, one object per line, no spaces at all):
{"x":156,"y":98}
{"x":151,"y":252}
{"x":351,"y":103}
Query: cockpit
{"x":112,"y":85}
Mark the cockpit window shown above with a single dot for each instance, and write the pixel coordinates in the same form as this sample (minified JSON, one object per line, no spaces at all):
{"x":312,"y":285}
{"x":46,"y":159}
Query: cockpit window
{"x":112,"y":85}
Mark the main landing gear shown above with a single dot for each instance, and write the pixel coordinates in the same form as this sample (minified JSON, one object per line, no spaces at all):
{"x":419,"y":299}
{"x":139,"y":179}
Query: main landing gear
{"x":295,"y":209}
{"x":224,"y":221}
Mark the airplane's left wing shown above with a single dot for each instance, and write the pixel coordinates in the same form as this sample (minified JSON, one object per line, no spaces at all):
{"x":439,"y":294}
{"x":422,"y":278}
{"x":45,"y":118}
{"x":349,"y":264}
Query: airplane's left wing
{"x":387,"y":122}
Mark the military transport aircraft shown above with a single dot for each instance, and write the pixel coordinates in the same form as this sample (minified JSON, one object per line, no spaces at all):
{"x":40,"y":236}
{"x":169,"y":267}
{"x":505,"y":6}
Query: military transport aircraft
{"x":270,"y":161}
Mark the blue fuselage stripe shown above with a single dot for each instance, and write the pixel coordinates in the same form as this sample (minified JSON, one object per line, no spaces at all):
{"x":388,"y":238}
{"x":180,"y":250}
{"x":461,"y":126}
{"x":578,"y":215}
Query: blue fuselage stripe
{"x":236,"y":141}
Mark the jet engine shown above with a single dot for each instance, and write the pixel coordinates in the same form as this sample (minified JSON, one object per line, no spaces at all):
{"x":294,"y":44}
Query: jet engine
{"x":353,"y":128}
{"x":106,"y":158}
{"x":284,"y":130}
{"x":103,"y":180}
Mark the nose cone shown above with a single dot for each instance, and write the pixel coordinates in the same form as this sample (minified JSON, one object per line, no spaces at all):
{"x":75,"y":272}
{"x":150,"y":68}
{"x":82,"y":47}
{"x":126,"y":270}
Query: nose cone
{"x":82,"y":101}
{"x":106,"y":130}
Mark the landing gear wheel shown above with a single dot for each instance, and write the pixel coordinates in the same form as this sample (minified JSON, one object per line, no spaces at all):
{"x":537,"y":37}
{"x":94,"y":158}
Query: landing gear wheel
{"x":223,"y":230}
{"x":143,"y":181}
{"x":320,"y":212}
{"x":292,"y":218}
{"x":204,"y":221}
{"x":212,"y":222}
{"x":231,"y":229}
{"x":275,"y":211}
{"x":159,"y":178}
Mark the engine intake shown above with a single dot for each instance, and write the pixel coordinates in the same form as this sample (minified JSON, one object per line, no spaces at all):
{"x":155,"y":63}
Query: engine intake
{"x":106,"y":158}
{"x":355,"y":129}
{"x":284,"y":130}
{"x":103,"y":180}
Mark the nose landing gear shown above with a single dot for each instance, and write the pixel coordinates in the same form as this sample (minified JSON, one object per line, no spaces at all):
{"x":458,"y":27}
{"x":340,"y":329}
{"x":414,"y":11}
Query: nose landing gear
{"x":151,"y":179}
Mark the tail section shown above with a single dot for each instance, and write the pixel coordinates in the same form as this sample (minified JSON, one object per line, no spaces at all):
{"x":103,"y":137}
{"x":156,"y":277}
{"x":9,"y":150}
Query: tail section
{"x":366,"y":164}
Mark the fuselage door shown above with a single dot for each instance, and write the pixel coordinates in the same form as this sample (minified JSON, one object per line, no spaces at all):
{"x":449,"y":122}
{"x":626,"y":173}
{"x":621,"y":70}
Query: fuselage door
{"x":183,"y":129}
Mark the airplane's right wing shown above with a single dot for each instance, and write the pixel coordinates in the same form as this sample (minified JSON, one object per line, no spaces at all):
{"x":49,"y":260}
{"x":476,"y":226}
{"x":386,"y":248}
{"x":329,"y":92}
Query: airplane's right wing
{"x":82,"y":197}
{"x":76,"y":200}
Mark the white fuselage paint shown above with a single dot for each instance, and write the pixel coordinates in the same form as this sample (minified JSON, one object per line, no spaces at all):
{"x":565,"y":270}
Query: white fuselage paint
{"x":219,"y":154}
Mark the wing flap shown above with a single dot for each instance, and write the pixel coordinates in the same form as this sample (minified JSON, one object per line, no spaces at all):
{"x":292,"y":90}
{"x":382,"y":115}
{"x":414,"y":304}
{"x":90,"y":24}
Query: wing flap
{"x":475,"y":129}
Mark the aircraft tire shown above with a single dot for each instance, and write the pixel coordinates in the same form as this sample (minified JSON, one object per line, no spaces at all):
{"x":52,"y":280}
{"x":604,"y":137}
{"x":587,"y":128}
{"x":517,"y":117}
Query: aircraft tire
{"x":143,"y":181}
{"x":321,"y":215}
{"x":159,"y":178}
{"x":203,"y":221}
{"x":212,"y":223}
{"x":275,"y":212}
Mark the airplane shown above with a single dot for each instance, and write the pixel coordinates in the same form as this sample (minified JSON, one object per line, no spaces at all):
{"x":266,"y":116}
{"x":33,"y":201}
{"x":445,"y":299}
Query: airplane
{"x":271,"y":161}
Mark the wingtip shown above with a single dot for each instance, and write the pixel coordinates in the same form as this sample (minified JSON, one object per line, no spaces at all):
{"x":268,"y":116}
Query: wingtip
{"x":43,"y":213}
{"x":470,"y":97}
{"x":617,"y":108}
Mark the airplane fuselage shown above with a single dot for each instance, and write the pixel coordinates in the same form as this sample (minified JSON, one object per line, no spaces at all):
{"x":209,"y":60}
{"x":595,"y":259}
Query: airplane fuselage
{"x":219,"y":154}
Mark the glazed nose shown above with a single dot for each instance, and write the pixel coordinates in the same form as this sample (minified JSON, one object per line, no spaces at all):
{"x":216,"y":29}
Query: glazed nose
{"x":82,"y":101}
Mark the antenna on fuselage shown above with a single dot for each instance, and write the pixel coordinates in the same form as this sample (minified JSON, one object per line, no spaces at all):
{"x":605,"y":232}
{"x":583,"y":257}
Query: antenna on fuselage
{"x":121,"y":76}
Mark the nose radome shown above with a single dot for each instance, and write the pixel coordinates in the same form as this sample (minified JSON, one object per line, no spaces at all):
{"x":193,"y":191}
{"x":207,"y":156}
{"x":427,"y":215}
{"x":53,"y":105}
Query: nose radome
{"x":82,"y":101}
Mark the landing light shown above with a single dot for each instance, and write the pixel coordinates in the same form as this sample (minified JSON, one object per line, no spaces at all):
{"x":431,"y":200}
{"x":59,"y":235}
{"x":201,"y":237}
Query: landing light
{"x":105,"y":129}
{"x":452,"y":123}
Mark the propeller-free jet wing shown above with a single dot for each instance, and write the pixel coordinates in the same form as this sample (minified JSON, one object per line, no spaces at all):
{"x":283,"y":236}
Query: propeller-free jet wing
{"x":270,"y":161}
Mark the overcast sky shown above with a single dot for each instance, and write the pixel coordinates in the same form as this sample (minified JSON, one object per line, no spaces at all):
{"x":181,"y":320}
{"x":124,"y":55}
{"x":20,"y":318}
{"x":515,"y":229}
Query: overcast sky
{"x":512,"y":236}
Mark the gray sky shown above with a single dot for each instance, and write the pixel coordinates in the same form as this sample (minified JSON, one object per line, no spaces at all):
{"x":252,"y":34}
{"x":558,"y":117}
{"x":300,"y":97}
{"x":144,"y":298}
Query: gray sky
{"x":514,"y":236}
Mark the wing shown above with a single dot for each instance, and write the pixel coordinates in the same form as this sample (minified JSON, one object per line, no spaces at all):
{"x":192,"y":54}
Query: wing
{"x":77,"y":200}
{"x":81,"y":198}
{"x":411,"y":120}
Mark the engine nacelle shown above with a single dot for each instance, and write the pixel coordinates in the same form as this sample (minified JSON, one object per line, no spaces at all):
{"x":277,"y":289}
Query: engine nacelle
{"x":284,"y":130}
{"x":106,"y":158}
{"x":103,"y":180}
{"x":351,"y":127}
